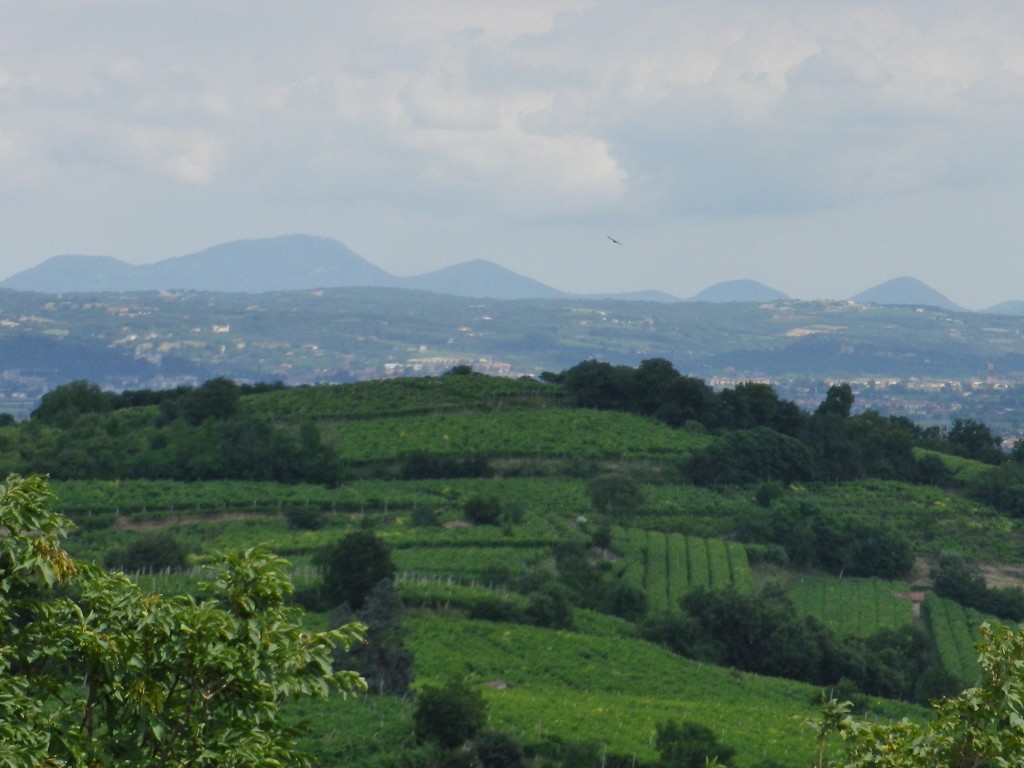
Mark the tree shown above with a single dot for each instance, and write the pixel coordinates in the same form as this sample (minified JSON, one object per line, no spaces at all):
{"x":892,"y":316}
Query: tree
{"x":215,"y":399}
{"x":157,"y":551}
{"x":593,"y":384}
{"x":549,"y":606}
{"x":752,"y":404}
{"x":952,"y":577}
{"x":482,"y":509}
{"x":615,"y":494}
{"x":384,"y":662}
{"x":61,"y":406}
{"x":689,"y":745}
{"x":975,"y":441}
{"x":751,"y":456}
{"x":450,"y":715}
{"x":352,"y":567}
{"x":96,"y":671}
{"x":983,"y":726}
{"x":838,"y":401}
{"x":495,"y":749}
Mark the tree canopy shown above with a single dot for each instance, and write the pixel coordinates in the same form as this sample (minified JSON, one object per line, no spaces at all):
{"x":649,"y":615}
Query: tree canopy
{"x":94,"y":670}
{"x":983,"y":726}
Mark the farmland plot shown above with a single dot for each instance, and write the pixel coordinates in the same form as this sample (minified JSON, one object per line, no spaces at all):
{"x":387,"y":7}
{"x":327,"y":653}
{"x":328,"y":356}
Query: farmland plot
{"x":856,"y":607}
{"x":668,"y":565}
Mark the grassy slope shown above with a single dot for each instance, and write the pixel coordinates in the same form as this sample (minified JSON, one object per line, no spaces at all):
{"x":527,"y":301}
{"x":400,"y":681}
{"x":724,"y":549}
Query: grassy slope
{"x":591,"y":684}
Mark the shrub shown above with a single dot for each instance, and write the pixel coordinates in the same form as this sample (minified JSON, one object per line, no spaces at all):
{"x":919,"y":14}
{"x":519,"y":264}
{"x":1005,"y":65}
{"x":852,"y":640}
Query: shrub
{"x":352,"y":567}
{"x":304,"y":518}
{"x":450,"y":715}
{"x":482,"y":510}
{"x":549,"y":607}
{"x":158,"y":551}
{"x":689,"y":745}
{"x":498,"y":750}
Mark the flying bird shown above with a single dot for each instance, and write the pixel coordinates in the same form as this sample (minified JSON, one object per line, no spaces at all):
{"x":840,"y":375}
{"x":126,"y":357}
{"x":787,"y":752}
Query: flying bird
{"x":613,"y":239}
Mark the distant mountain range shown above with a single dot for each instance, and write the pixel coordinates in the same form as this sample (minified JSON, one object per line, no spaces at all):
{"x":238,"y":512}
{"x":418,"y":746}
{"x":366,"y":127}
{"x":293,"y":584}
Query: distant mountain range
{"x":302,"y":262}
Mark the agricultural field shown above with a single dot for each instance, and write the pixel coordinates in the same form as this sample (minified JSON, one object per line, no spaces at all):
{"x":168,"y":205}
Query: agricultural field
{"x":932,"y":518}
{"x":857,"y":607}
{"x":597,"y":682}
{"x":473,"y":562}
{"x":403,"y":397}
{"x":955,"y":630}
{"x":668,"y":565}
{"x":567,"y":435}
{"x":612,"y":690}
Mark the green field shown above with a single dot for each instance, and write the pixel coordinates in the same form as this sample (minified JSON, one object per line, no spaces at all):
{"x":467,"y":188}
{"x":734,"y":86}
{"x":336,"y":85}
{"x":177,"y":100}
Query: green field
{"x":613,"y":691}
{"x":668,"y":565}
{"x":598,"y":682}
{"x":857,"y":607}
{"x":955,"y":630}
{"x":538,"y":434}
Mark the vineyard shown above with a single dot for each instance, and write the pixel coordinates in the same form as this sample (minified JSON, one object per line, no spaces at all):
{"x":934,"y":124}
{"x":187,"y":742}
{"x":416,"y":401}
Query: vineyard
{"x":667,"y":565}
{"x":469,"y":562}
{"x":955,"y":630}
{"x":933,"y":519}
{"x":539,"y":434}
{"x":593,"y":680}
{"x":612,"y":690}
{"x":403,"y":397}
{"x":857,"y":607}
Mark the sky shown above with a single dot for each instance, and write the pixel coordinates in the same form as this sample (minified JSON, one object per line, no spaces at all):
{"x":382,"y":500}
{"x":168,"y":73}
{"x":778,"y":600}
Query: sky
{"x":820,"y":147}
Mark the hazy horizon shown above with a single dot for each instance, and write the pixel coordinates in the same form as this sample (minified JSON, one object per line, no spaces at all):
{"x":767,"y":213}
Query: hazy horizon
{"x":819,"y":148}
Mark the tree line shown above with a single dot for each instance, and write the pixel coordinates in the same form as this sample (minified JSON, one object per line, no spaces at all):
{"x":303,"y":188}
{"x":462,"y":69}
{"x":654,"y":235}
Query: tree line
{"x":80,"y":431}
{"x":762,"y":437}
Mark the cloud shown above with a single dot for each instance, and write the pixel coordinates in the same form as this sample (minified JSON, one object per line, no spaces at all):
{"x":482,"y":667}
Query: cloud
{"x":478,"y":112}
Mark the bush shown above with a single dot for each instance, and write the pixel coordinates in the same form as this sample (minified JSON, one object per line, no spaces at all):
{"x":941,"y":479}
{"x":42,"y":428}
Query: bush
{"x":158,"y":551}
{"x":494,"y":608}
{"x":773,"y":554}
{"x":424,"y":517}
{"x":450,"y":715}
{"x":304,"y":518}
{"x":689,"y":745}
{"x":498,"y":750}
{"x":352,"y":567}
{"x":615,"y":495}
{"x":768,"y":492}
{"x":482,"y":510}
{"x":549,"y":607}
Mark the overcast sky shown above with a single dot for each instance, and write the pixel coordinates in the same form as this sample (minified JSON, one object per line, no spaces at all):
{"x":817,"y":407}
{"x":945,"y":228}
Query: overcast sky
{"x":821,"y":147}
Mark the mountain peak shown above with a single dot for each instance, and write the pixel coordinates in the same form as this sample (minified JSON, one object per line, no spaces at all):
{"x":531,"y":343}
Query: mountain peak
{"x":70,"y":272}
{"x":738,"y":290}
{"x":483,"y":279}
{"x":903,"y":291}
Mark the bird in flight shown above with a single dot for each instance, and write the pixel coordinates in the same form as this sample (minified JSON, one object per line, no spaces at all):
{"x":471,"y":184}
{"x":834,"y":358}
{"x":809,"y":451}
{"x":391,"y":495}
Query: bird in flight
{"x":613,"y":239}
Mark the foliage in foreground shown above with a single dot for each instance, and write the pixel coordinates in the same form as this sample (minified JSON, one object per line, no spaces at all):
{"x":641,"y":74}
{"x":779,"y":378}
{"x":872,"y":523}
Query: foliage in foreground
{"x":983,"y":726}
{"x":96,"y":671}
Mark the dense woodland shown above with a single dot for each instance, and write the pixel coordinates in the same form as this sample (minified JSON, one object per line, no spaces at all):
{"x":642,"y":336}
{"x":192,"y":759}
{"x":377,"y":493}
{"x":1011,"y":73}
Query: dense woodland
{"x":600,"y":515}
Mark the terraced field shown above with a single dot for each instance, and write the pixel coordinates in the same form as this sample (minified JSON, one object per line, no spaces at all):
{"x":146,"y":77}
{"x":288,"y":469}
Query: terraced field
{"x":667,"y":565}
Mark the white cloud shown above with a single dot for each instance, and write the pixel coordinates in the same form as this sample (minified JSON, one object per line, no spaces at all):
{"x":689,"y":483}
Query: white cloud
{"x":476,"y":111}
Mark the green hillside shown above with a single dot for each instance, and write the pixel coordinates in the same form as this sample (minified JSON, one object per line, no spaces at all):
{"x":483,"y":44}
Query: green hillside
{"x":614,"y":553}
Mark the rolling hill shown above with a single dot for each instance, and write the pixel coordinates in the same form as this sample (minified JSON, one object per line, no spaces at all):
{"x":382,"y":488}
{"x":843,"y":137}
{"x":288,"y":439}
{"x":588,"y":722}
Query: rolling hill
{"x":595,"y":684}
